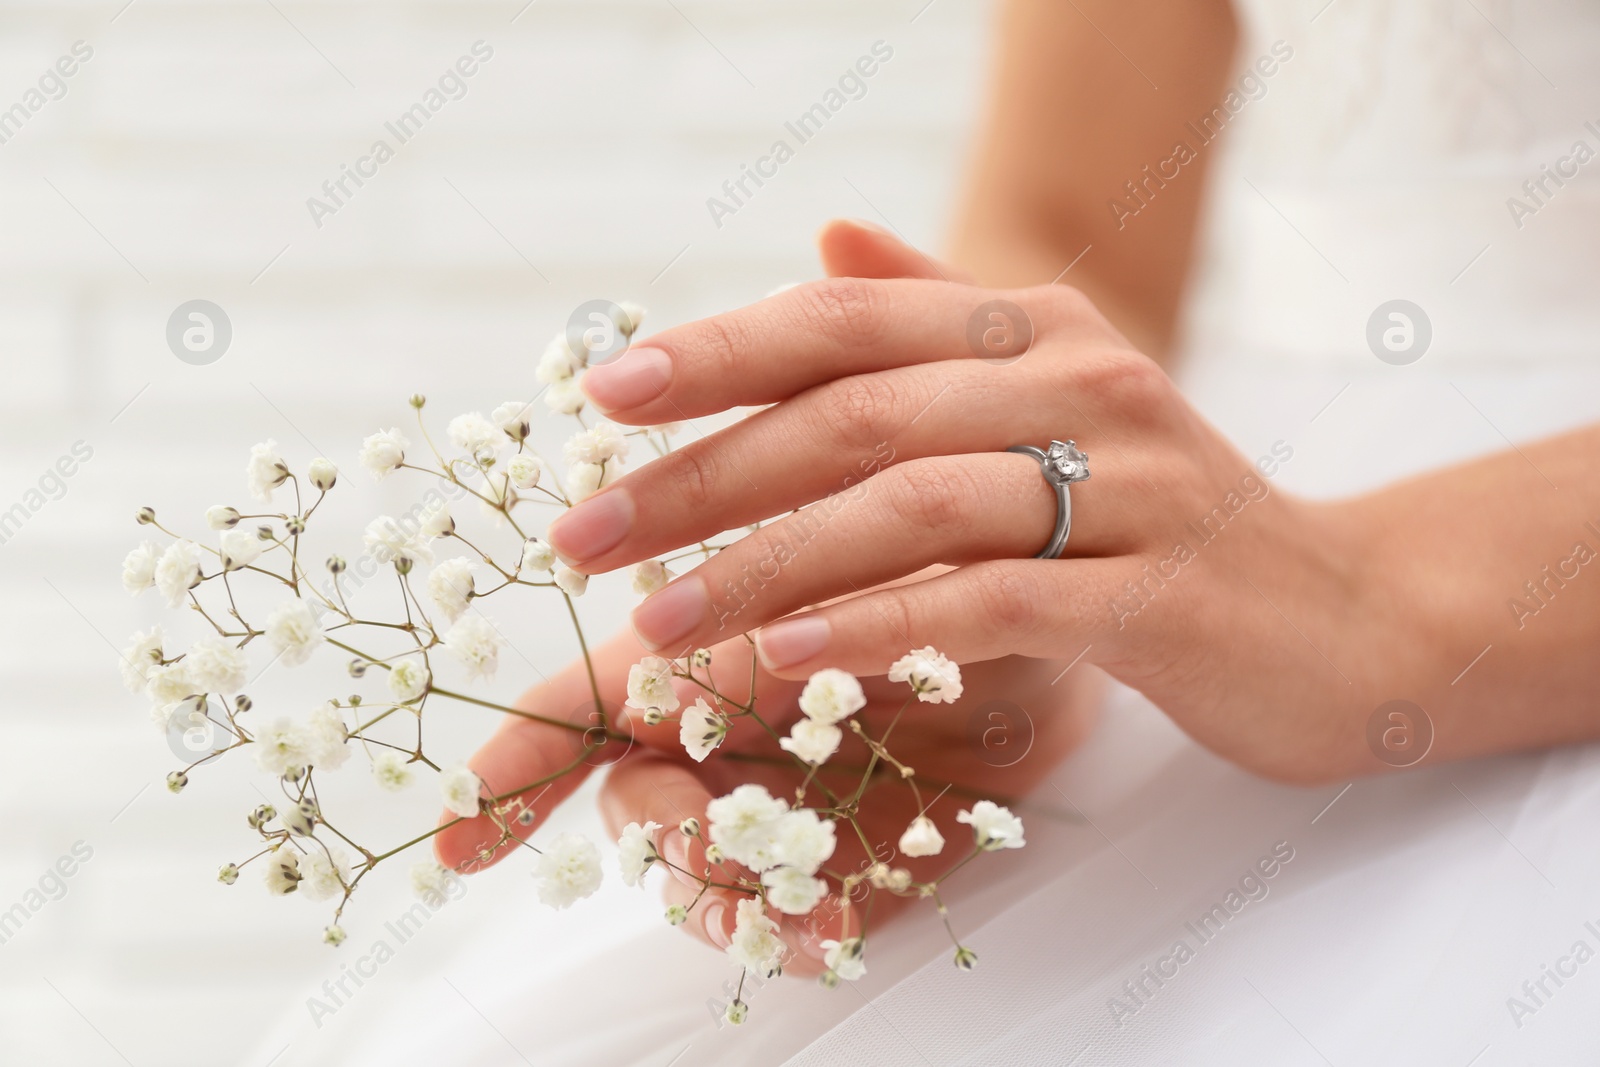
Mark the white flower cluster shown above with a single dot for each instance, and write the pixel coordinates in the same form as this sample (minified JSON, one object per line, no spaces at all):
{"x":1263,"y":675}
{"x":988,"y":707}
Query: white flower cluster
{"x":248,"y":585}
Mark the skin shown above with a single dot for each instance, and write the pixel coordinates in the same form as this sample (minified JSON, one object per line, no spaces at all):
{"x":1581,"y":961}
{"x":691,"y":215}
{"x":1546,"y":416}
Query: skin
{"x":1273,"y":642}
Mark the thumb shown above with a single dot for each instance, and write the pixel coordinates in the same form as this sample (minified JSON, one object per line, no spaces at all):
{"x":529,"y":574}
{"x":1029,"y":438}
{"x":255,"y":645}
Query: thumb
{"x":854,"y":249}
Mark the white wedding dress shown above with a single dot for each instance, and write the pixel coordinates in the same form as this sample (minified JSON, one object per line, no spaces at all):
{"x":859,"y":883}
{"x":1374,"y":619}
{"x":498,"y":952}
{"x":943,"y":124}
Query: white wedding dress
{"x":1376,"y":166}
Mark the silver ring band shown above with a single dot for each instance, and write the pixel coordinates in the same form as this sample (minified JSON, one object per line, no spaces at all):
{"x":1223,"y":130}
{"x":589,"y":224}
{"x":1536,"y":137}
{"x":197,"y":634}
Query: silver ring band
{"x":1062,"y":464}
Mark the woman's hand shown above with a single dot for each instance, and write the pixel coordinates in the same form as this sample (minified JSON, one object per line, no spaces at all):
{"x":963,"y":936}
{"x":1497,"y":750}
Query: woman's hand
{"x":1245,"y":614}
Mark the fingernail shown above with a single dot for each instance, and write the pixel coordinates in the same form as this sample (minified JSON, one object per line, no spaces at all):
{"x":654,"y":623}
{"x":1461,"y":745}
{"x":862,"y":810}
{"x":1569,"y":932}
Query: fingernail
{"x":592,"y":528}
{"x":637,"y":377}
{"x":715,"y":922}
{"x":672,"y":614}
{"x":792,"y":641}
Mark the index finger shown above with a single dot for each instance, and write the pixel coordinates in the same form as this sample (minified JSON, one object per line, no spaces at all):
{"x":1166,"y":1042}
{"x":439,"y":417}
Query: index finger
{"x":780,"y":346}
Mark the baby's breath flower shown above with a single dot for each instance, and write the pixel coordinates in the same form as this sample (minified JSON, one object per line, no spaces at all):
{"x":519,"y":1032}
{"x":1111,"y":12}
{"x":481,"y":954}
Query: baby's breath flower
{"x":239,"y":549}
{"x":636,"y":851}
{"x":265,"y":471}
{"x":216,"y":666}
{"x":387,"y":541}
{"x":333,"y":935}
{"x":384,"y":451}
{"x":282,"y":746}
{"x":737,"y":1013}
{"x":391,"y":769}
{"x":745,"y":826}
{"x":451,"y":585}
{"x":700,"y":729}
{"x":993,"y":827}
{"x":558,"y":363}
{"x":475,"y":644}
{"x":601,"y":442}
{"x":282,"y":872}
{"x":322,"y":474}
{"x":649,"y":576}
{"x":803,"y":839}
{"x":567,"y":870}
{"x":701,"y":658}
{"x":498,"y":495}
{"x":178,"y":571}
{"x":793,"y":891}
{"x":458,"y":788}
{"x":228,"y":874}
{"x":475,"y":435}
{"x":263,"y":814}
{"x":812,"y":741}
{"x":513,"y":418}
{"x":408,"y":679}
{"x":139,"y":568}
{"x":294,"y":630}
{"x":176,"y":781}
{"x":222,"y":517}
{"x":629,"y":317}
{"x":832,"y":695}
{"x":571,"y":582}
{"x":437,"y":520}
{"x":169,"y":683}
{"x":584,"y":478}
{"x":564,"y":397}
{"x":846,"y":958}
{"x":429,"y":880}
{"x":324,"y":873}
{"x":677,"y":915}
{"x":689,"y":827}
{"x":936,"y":679}
{"x":650,"y":685}
{"x":537,"y":555}
{"x":922,"y":838}
{"x":142,"y":656}
{"x":301,"y":819}
{"x":327,"y":736}
{"x":524,"y":470}
{"x":755,"y":944}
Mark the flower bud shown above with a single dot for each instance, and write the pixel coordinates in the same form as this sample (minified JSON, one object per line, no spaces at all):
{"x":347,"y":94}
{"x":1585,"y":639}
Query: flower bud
{"x":336,"y":564}
{"x":242,"y":703}
{"x":358,"y":667}
{"x":333,"y":935}
{"x":176,"y":781}
{"x":689,"y":827}
{"x":417,"y":400}
{"x":828,"y":980}
{"x":222,"y":517}
{"x":737,"y":1012}
{"x":701,"y":658}
{"x":263,"y":814}
{"x":323,"y":474}
{"x":653,"y":716}
{"x":301,"y":819}
{"x":677,"y":915}
{"x":145,"y":516}
{"x":403,"y":565}
{"x":295,"y":524}
{"x":355,"y":700}
{"x":264,"y":533}
{"x":629,"y":317}
{"x":229,"y":874}
{"x":714,"y":853}
{"x":525,"y":816}
{"x":966,"y":959}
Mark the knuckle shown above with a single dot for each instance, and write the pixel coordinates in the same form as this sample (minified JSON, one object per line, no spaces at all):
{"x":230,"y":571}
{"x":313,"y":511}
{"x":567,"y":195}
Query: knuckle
{"x":1125,"y":381}
{"x":893,"y":610}
{"x":722,"y":342}
{"x":859,"y":409}
{"x":844,"y":310}
{"x":930,"y":496}
{"x":1008,"y":599}
{"x":691,"y":475}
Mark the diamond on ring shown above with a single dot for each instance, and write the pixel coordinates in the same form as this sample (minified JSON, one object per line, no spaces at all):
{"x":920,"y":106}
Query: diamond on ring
{"x":1064,"y":463}
{"x":1061,"y":464}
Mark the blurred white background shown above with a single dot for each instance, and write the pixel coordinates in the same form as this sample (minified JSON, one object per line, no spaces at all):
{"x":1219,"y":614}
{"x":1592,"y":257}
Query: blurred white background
{"x":176,"y":166}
